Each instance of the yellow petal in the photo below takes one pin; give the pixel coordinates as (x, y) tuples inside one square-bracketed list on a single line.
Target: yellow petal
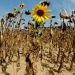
[(34, 16), (39, 19), (47, 11), (42, 19), (33, 13), (45, 6), (46, 17), (33, 8)]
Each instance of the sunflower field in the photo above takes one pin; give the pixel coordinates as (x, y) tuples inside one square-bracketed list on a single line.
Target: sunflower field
[(35, 49)]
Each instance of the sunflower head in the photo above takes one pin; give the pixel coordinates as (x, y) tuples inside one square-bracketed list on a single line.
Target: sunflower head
[(22, 5), (40, 13)]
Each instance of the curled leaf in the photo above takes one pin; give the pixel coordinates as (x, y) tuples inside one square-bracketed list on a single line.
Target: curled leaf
[(14, 9)]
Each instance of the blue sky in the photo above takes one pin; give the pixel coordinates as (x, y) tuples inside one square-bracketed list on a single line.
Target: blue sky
[(55, 7)]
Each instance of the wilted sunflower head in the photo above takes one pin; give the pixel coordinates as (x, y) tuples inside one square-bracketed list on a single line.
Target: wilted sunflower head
[(22, 5), (40, 13)]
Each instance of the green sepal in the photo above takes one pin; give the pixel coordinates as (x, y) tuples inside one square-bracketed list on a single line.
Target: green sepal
[(39, 33), (37, 24)]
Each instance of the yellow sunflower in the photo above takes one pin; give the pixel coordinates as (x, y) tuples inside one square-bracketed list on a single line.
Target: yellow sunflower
[(21, 5), (40, 13)]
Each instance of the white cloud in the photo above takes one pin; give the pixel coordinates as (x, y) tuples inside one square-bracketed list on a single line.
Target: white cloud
[(64, 5), (67, 6), (73, 1), (57, 5)]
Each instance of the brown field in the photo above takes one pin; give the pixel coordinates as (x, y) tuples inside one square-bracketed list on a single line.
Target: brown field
[(20, 54)]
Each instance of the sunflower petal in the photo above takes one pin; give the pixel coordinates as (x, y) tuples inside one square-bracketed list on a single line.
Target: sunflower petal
[(39, 19), (33, 8), (42, 19), (46, 17), (47, 11), (45, 6), (34, 16)]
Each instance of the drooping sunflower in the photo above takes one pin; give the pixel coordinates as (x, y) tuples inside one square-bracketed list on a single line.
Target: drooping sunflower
[(40, 13), (22, 5)]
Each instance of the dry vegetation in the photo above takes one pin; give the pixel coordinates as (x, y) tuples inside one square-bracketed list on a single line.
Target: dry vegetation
[(57, 49)]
